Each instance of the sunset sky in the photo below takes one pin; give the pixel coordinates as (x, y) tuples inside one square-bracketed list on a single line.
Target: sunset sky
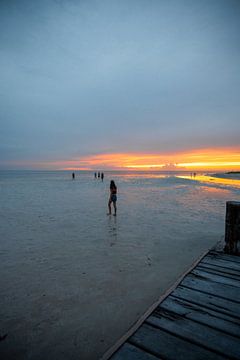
[(120, 84)]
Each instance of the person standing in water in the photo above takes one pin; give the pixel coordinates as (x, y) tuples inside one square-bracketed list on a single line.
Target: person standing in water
[(73, 175), (112, 198), (102, 176)]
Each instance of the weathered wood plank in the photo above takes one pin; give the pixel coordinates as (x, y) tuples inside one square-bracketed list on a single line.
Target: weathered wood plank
[(216, 278), (201, 315), (222, 271), (196, 333), (210, 270), (211, 306), (223, 256), (227, 292), (169, 346), (131, 352), (212, 302), (222, 263)]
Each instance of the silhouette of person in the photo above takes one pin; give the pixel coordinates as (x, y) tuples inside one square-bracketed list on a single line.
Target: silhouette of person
[(102, 176), (95, 175), (98, 174), (112, 198), (73, 176)]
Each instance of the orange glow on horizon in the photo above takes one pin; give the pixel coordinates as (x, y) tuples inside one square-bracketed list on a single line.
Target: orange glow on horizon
[(199, 160), (221, 159)]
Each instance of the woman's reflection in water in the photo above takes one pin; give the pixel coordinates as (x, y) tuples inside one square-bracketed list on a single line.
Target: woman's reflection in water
[(112, 229)]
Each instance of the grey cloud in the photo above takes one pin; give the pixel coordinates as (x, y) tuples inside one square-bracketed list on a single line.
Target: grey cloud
[(81, 77)]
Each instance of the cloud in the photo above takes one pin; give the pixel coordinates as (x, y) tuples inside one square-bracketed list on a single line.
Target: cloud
[(172, 167), (201, 159), (82, 78)]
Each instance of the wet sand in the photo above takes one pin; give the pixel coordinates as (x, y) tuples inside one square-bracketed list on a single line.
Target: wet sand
[(81, 313)]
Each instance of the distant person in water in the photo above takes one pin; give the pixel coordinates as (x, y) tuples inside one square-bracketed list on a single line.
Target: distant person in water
[(112, 198), (95, 175), (73, 176), (98, 174), (102, 176)]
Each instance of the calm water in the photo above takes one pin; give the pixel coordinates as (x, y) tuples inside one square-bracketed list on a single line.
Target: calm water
[(40, 208), (66, 266)]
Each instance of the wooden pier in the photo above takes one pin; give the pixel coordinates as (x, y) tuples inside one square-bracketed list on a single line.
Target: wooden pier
[(199, 319)]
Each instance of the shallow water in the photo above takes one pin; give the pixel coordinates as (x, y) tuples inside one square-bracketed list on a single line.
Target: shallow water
[(69, 271), (46, 208)]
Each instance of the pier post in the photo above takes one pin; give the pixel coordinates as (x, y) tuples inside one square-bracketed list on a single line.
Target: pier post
[(232, 227)]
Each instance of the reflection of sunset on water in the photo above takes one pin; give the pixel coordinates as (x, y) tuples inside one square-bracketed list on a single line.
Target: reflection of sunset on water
[(144, 175), (213, 180), (216, 190)]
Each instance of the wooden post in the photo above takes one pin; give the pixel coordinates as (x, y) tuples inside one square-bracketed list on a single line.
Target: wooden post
[(232, 227)]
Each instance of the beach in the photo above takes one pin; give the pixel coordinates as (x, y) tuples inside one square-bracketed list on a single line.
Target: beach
[(74, 280)]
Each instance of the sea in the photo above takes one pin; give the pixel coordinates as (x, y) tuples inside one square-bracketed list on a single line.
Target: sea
[(44, 207), (73, 276)]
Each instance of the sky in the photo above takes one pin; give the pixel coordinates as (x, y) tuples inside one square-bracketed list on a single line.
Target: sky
[(120, 84)]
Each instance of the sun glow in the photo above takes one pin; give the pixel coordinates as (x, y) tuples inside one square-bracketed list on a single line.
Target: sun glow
[(224, 159), (199, 160), (212, 180)]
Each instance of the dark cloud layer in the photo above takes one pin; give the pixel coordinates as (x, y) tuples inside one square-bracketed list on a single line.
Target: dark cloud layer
[(86, 77)]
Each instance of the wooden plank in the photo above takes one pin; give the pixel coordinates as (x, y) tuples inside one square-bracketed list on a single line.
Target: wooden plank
[(131, 352), (168, 346), (221, 270), (222, 263), (196, 333), (216, 278), (219, 255), (222, 306), (214, 311), (215, 271), (200, 314), (222, 290)]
